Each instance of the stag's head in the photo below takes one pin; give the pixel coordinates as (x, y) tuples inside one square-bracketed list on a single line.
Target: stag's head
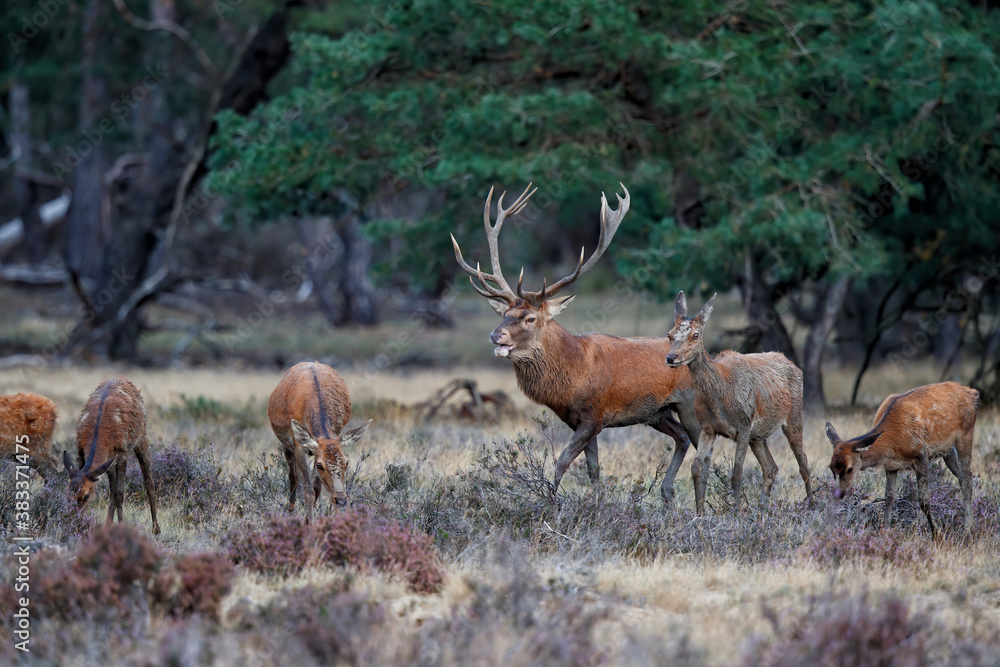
[(526, 314), (81, 482), (686, 335), (331, 461), (846, 460)]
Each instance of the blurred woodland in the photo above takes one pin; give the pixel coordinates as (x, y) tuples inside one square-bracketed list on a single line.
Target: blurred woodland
[(835, 164)]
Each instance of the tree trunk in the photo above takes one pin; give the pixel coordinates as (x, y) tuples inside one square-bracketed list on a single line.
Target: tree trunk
[(83, 236), (26, 189), (359, 295), (830, 303), (765, 331), (325, 252)]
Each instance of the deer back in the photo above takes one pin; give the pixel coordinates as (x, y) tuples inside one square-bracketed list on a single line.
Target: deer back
[(31, 415), (113, 420), (314, 395), (930, 419)]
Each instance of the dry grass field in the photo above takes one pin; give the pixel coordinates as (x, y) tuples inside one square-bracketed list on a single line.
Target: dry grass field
[(607, 575)]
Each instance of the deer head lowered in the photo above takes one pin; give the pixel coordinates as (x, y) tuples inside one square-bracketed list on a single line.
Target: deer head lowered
[(590, 381)]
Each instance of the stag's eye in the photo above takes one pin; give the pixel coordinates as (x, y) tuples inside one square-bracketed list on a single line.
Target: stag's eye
[(530, 319)]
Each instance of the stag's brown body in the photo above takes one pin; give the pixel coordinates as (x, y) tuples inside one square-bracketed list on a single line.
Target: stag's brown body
[(112, 425), (33, 416), (743, 397), (910, 430), (590, 381), (308, 410)]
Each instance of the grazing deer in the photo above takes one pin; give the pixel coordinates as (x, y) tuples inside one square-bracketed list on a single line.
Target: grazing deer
[(33, 416), (743, 397), (591, 381), (308, 410), (909, 430), (112, 424)]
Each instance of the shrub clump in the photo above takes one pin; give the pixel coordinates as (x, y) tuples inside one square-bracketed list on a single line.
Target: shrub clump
[(194, 584), (354, 537), (193, 481), (886, 547)]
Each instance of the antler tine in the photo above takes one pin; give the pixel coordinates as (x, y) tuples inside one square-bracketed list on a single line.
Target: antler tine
[(493, 232), (486, 290), (610, 222)]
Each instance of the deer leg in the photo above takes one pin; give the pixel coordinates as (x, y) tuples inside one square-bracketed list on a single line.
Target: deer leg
[(302, 459), (113, 491), (667, 425), (964, 451), (122, 468), (890, 496), (964, 481), (924, 492), (581, 438), (700, 469), (142, 455), (793, 433), (742, 443), (293, 480), (593, 463), (768, 468)]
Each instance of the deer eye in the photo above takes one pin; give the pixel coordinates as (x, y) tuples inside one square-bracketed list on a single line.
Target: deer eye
[(319, 466), (530, 319), (851, 469), (696, 336), (86, 496)]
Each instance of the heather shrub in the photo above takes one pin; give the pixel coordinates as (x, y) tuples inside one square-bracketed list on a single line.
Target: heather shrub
[(191, 480), (853, 630), (354, 537), (885, 548), (194, 584)]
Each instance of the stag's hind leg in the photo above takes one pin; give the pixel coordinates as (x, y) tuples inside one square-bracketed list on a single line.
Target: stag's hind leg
[(593, 462), (142, 454), (793, 433), (682, 439)]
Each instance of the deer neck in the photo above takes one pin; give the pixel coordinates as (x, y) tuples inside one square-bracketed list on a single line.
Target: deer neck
[(708, 381), (545, 373)]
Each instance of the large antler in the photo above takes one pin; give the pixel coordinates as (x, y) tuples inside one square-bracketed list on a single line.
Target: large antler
[(610, 220), (502, 289)]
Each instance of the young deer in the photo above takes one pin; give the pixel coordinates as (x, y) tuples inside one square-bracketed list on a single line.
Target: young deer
[(112, 424), (591, 381), (33, 416), (743, 397), (308, 410), (936, 420)]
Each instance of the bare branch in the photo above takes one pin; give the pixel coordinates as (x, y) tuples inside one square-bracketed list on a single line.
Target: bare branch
[(173, 28)]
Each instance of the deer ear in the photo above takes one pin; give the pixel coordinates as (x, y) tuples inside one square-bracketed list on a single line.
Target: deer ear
[(831, 433), (866, 442), (351, 437), (303, 437), (96, 473), (499, 306), (68, 462), (706, 310), (558, 304), (680, 305)]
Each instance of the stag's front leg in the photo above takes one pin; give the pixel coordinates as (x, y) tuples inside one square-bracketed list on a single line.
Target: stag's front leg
[(593, 463), (682, 437), (581, 438)]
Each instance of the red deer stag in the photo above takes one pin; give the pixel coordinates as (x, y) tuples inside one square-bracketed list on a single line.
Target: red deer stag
[(112, 424), (308, 410), (28, 420), (936, 420), (743, 397), (591, 381)]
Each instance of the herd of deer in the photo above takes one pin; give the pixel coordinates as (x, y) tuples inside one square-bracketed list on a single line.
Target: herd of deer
[(590, 381)]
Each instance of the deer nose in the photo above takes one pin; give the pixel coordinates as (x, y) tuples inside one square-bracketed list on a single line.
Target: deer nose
[(495, 337), (671, 359), (838, 494)]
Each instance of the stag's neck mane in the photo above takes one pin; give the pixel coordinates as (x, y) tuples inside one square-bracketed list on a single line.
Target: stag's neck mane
[(545, 373)]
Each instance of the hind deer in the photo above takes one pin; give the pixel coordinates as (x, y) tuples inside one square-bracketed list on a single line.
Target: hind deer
[(308, 410), (743, 397), (591, 381), (34, 417), (936, 420), (112, 424)]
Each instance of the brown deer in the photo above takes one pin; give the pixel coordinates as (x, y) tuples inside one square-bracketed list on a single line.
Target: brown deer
[(743, 397), (308, 410), (936, 420), (112, 424), (28, 420), (591, 381)]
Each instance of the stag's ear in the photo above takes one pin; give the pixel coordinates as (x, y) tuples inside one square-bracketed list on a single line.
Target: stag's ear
[(352, 437), (303, 437), (866, 442), (831, 433), (680, 305), (499, 306), (706, 310), (96, 473), (68, 462), (558, 304)]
